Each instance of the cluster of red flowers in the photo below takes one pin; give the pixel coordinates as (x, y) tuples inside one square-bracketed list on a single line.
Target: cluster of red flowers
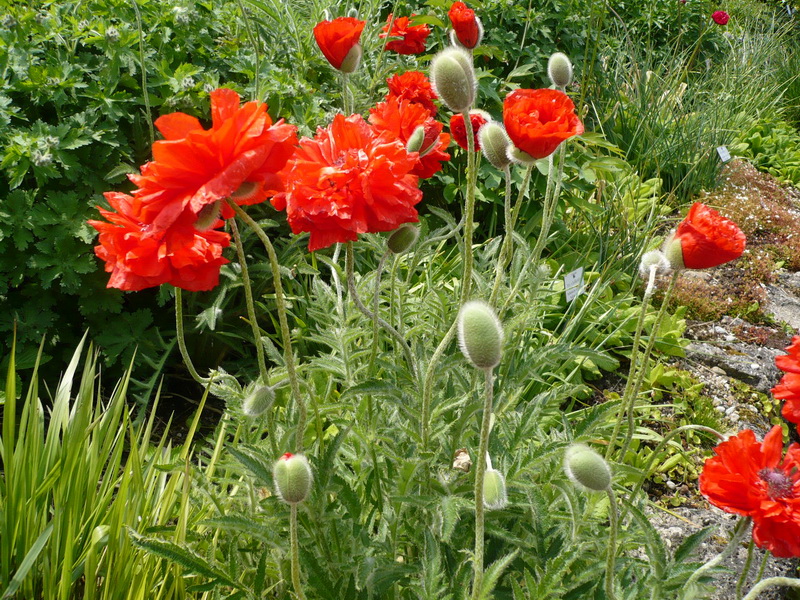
[(788, 388), (165, 232)]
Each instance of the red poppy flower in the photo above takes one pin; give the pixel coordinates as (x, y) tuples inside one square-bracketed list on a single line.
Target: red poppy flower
[(238, 157), (412, 37), (338, 37), (413, 86), (751, 479), (466, 25), (139, 256), (720, 17), (705, 239), (537, 121), (478, 118), (788, 390), (348, 180), (790, 362), (399, 120)]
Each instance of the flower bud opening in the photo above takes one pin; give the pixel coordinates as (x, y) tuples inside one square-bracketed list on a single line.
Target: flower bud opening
[(293, 477), (207, 216), (351, 60), (587, 469), (480, 334), (673, 251)]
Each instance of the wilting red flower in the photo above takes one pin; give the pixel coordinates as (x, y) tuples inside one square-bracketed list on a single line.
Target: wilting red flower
[(139, 256), (413, 86), (398, 119), (336, 38), (238, 157), (457, 127), (720, 17), (465, 24), (412, 37), (348, 180), (790, 362), (706, 239), (537, 121), (751, 479)]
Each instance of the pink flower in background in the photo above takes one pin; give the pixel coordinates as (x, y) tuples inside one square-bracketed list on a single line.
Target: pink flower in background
[(720, 17)]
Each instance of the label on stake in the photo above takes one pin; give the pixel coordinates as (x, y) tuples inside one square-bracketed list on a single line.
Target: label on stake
[(724, 155), (574, 285)]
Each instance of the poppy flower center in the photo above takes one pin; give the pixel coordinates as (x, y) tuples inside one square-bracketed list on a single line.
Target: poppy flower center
[(779, 484)]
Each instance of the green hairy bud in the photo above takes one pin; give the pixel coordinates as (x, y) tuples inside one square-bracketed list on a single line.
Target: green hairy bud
[(453, 79), (587, 469), (494, 490), (258, 401), (480, 334), (559, 69), (402, 238), (495, 144), (293, 477)]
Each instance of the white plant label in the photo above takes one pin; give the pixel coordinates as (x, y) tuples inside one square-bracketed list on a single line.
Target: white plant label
[(724, 155), (574, 285)]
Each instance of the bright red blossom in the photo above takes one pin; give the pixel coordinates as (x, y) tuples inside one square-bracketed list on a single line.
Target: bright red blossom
[(412, 37), (720, 17), (348, 180), (788, 390), (465, 24), (790, 362), (139, 256), (537, 121), (413, 86), (751, 479), (336, 38), (195, 167), (459, 130), (708, 239), (399, 119)]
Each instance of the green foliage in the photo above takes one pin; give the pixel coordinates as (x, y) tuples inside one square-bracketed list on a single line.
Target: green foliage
[(773, 146)]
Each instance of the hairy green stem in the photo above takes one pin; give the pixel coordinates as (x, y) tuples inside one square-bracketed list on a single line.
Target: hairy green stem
[(745, 570), (251, 309), (651, 342), (612, 545), (738, 533), (298, 587), (376, 298), (143, 67), (351, 285), (286, 337), (187, 360), (762, 567), (480, 472), (256, 49), (772, 582), (427, 384), (469, 209)]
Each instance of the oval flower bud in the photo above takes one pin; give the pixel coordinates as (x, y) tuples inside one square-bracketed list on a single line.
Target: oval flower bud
[(453, 79), (654, 258), (415, 140), (494, 490), (495, 144), (293, 477), (402, 238), (587, 469), (208, 216), (480, 334), (258, 401), (559, 70)]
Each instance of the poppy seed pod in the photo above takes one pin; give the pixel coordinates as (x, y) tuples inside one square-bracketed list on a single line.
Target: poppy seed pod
[(293, 477), (258, 401), (559, 70), (402, 239), (495, 144), (480, 334), (494, 490), (587, 469), (453, 79)]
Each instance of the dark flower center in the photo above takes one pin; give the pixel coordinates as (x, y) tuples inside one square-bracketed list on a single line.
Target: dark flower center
[(779, 484)]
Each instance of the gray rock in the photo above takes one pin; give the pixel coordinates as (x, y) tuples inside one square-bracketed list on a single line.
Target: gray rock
[(783, 306), (754, 365)]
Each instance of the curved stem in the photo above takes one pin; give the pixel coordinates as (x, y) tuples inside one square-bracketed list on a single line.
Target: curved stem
[(376, 299), (771, 582), (351, 285), (736, 538), (480, 472), (506, 252), (298, 587), (651, 342), (251, 310), (427, 384), (745, 570), (612, 545), (280, 304), (550, 202), (187, 360)]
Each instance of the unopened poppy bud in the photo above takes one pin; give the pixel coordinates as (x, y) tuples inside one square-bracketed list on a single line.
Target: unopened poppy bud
[(587, 469), (416, 139), (453, 79), (495, 143), (494, 490), (653, 259), (293, 477), (480, 334), (353, 13), (351, 60), (559, 69), (258, 401), (402, 238), (207, 216)]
